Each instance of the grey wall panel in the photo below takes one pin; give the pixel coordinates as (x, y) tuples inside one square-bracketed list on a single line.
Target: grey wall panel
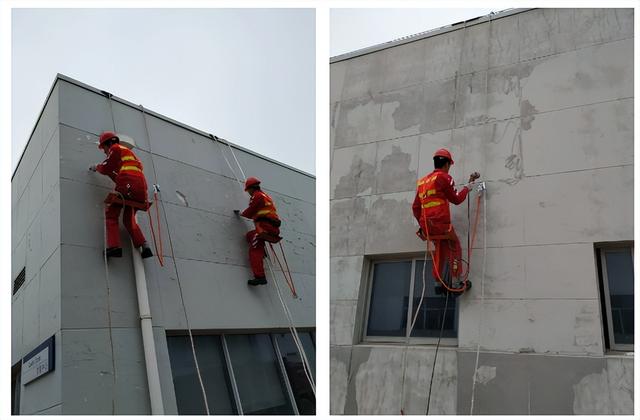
[(364, 76), (504, 47), (343, 318), (217, 297), (277, 178), (348, 233), (87, 360), (564, 326), (396, 165), (49, 297), (354, 171), (17, 329), (131, 392), (417, 375), (84, 289), (580, 138), (297, 216), (391, 226), (578, 78), (34, 249), (50, 216), (82, 214), (404, 66), (206, 236), (83, 109), (339, 378), (130, 122), (18, 258), (176, 143), (31, 318), (78, 151), (346, 273), (51, 164), (42, 133), (571, 28), (189, 186)]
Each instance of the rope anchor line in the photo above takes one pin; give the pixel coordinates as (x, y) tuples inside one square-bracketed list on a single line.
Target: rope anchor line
[(292, 328)]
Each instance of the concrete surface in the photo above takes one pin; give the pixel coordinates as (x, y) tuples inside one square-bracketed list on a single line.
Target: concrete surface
[(540, 102), (58, 235)]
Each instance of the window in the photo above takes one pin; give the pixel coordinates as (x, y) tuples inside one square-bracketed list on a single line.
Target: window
[(616, 287), (16, 372), (213, 368), (394, 294), (292, 361), (19, 281), (243, 374)]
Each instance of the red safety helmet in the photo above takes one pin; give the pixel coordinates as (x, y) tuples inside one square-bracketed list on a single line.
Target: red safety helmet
[(443, 153), (251, 182), (106, 136)]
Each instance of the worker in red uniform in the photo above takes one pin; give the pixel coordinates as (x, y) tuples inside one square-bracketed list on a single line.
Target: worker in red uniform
[(125, 169), (431, 210), (265, 218)]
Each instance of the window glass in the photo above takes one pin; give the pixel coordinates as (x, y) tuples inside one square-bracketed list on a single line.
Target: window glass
[(429, 319), (292, 361), (214, 375), (260, 384), (619, 264), (389, 299)]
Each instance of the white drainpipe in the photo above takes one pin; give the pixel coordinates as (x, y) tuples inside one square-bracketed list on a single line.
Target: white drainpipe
[(151, 361)]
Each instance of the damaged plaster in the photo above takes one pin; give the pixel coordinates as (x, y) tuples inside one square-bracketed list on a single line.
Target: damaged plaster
[(540, 102)]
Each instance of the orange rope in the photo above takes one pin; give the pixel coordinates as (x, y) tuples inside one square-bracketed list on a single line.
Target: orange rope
[(436, 261), (288, 278), (157, 243)]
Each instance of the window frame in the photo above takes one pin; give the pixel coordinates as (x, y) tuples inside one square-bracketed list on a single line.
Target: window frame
[(288, 390), (406, 339), (604, 280)]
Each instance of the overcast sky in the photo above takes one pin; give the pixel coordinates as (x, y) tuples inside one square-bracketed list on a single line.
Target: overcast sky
[(247, 75), (352, 29)]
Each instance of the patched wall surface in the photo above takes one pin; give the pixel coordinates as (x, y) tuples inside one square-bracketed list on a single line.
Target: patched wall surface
[(94, 312), (540, 102)]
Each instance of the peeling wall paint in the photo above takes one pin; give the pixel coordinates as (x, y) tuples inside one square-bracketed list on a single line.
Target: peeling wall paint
[(546, 116)]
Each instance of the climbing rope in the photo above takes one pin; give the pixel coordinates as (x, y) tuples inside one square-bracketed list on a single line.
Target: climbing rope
[(292, 327), (106, 275), (175, 265), (480, 324), (435, 356)]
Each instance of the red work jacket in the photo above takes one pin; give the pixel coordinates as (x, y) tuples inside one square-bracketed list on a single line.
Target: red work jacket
[(121, 163), (434, 192), (261, 207)]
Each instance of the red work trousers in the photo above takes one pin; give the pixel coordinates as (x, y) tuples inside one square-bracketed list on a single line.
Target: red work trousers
[(256, 246), (134, 189), (448, 251)]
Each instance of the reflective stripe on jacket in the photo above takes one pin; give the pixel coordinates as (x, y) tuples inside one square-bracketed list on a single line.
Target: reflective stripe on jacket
[(261, 207)]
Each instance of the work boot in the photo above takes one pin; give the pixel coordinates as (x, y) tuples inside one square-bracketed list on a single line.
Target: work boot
[(113, 252), (257, 281), (146, 251)]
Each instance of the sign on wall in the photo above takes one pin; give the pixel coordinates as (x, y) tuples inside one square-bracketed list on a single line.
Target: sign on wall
[(39, 361)]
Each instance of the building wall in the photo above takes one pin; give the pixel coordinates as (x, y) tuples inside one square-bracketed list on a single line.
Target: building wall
[(540, 102), (101, 351)]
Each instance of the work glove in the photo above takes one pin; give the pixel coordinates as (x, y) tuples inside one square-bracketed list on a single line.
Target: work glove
[(473, 177), (92, 168)]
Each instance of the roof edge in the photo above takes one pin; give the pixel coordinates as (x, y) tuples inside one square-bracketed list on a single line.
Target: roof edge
[(427, 34), (60, 76)]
